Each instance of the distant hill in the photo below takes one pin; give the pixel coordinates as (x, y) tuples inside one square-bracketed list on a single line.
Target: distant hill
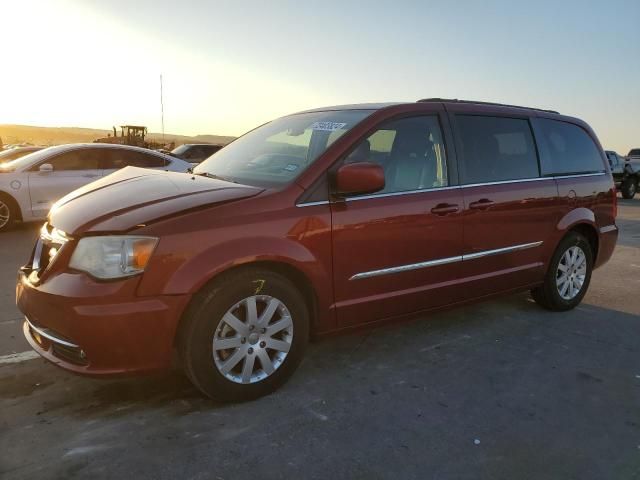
[(59, 135)]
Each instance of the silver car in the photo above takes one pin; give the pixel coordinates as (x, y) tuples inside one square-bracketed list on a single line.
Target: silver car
[(30, 185)]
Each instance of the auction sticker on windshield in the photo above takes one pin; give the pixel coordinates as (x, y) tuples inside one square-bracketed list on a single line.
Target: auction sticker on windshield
[(327, 126)]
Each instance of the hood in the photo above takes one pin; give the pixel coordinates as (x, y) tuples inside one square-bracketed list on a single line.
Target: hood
[(134, 196)]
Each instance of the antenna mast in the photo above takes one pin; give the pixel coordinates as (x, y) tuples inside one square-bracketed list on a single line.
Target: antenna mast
[(162, 110)]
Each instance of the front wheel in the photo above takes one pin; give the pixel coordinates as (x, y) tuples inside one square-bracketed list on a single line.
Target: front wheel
[(7, 213), (244, 336), (629, 188), (568, 276)]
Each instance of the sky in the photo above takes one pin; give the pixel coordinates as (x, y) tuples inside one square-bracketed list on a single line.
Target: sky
[(228, 66)]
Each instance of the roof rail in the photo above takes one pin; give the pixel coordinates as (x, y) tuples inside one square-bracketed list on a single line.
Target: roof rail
[(455, 100)]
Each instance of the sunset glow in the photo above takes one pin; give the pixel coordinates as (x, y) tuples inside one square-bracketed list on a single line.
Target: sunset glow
[(229, 67)]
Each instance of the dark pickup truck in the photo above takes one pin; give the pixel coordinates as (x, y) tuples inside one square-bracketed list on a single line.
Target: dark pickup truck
[(626, 172)]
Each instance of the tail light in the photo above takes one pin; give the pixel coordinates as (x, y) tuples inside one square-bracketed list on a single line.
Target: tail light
[(615, 203)]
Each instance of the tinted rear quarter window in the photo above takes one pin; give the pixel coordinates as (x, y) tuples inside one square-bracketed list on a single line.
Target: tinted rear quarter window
[(119, 158), (569, 149), (494, 149)]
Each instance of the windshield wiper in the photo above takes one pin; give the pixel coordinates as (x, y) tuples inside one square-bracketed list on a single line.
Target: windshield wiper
[(216, 177)]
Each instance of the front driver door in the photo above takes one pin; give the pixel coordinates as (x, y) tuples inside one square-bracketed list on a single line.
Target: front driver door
[(398, 251), (71, 170)]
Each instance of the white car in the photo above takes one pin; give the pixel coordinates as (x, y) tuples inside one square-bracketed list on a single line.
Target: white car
[(30, 185)]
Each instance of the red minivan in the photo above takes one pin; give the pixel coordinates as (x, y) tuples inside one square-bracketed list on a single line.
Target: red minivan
[(316, 222)]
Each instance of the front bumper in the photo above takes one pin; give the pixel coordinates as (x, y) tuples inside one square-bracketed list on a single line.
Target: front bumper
[(96, 328)]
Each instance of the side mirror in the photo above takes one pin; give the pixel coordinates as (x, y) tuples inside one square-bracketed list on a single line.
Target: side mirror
[(46, 168), (359, 178)]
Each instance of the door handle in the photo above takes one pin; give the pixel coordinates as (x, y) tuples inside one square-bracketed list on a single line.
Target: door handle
[(444, 209), (482, 204)]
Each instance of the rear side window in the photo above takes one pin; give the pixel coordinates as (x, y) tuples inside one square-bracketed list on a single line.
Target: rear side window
[(569, 149), (495, 149), (119, 158)]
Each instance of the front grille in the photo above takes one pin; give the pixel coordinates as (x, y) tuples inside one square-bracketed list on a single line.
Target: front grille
[(61, 346), (70, 354)]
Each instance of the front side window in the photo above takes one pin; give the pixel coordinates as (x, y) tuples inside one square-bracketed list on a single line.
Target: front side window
[(276, 153), (495, 149), (411, 152), (86, 159), (569, 149)]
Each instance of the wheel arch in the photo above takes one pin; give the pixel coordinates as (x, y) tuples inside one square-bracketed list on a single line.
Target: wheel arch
[(16, 205), (299, 278), (583, 221), (591, 234)]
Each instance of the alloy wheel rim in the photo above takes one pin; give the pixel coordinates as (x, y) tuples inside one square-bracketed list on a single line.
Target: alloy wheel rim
[(571, 273), (253, 339), (5, 214)]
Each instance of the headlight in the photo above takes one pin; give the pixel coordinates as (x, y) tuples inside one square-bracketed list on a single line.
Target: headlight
[(113, 256)]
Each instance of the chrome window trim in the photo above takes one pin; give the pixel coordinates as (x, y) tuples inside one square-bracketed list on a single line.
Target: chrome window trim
[(444, 261), (49, 336), (608, 228), (578, 175), (506, 182), (452, 187), (405, 192)]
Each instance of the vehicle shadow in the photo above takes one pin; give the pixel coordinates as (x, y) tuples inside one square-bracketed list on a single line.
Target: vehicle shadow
[(524, 380), (417, 351)]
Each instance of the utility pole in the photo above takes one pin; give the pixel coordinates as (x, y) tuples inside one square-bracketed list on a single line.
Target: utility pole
[(162, 110)]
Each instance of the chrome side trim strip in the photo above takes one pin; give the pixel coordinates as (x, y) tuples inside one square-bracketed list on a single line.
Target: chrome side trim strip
[(312, 204), (608, 228), (444, 261), (498, 251), (406, 268), (49, 336)]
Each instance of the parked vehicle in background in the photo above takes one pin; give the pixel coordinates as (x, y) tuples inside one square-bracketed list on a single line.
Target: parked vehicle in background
[(31, 184), (17, 152), (315, 222), (626, 173), (195, 153), (634, 155)]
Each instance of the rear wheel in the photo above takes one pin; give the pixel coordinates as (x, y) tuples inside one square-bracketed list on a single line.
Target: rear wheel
[(629, 187), (8, 213), (244, 336), (569, 274)]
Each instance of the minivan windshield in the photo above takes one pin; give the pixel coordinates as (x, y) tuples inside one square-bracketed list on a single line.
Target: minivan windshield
[(276, 153)]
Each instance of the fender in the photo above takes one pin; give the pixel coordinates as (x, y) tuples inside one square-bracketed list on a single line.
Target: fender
[(195, 273), (574, 217), (312, 260)]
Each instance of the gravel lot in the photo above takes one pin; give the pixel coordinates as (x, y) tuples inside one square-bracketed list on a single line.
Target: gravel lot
[(498, 390)]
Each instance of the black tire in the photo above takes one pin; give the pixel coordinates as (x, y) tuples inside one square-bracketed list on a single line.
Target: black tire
[(629, 187), (7, 206), (548, 294), (203, 320)]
